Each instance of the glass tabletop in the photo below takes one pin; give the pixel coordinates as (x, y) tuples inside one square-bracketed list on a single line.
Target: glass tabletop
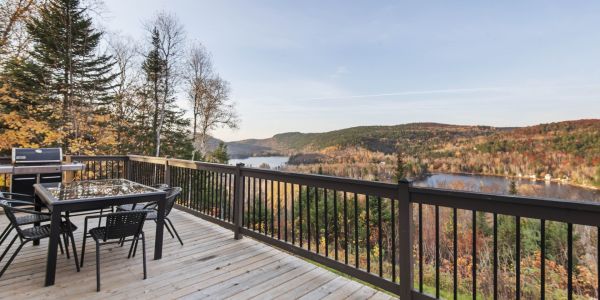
[(96, 189)]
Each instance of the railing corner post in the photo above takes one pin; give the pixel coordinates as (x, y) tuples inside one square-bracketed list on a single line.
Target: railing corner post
[(128, 170), (167, 173), (238, 201), (405, 235)]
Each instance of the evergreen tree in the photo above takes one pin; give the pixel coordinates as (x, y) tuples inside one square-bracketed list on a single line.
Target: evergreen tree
[(154, 69), (165, 121), (512, 189), (220, 155), (64, 71), (400, 168)]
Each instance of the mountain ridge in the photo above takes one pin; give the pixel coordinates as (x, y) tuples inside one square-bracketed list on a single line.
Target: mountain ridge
[(377, 137)]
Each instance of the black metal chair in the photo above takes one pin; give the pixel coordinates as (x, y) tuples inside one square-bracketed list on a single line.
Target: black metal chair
[(119, 226), (126, 207), (172, 194), (34, 233), (21, 200)]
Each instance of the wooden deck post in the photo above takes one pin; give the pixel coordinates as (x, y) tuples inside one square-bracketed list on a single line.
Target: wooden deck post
[(69, 175), (405, 235), (238, 199), (128, 171), (167, 173)]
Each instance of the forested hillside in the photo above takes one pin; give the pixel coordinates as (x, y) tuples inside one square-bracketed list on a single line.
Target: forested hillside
[(65, 82), (567, 150)]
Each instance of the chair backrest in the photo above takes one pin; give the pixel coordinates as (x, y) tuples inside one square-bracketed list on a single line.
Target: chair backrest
[(124, 223), (9, 211), (21, 197), (161, 186), (172, 195)]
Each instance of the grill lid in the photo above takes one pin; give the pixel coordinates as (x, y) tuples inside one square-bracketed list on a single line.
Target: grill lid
[(36, 155)]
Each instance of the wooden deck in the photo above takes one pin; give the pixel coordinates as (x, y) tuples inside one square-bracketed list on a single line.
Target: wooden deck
[(211, 265)]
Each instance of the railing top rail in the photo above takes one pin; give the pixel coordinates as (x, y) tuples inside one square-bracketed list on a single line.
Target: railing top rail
[(576, 212), (184, 163), (98, 157), (372, 188)]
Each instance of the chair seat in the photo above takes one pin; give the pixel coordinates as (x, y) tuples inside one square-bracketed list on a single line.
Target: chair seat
[(30, 219), (40, 232), (128, 207), (98, 233)]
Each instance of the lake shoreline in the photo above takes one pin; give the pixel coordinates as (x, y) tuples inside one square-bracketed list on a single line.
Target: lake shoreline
[(559, 181)]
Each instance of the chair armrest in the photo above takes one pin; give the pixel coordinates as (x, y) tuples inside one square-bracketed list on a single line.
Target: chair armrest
[(28, 211), (4, 194), (151, 205)]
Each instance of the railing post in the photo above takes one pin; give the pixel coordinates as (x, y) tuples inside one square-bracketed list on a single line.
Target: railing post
[(167, 173), (405, 235), (69, 175), (238, 199), (128, 167)]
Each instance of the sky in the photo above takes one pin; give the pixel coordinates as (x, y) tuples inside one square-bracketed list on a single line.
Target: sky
[(314, 66)]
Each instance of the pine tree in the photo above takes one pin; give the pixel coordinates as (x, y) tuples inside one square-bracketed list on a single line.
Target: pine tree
[(400, 168), (64, 71), (512, 189), (154, 69), (167, 123), (220, 155)]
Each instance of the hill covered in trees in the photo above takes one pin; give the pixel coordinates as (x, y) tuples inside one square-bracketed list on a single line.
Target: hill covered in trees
[(568, 150)]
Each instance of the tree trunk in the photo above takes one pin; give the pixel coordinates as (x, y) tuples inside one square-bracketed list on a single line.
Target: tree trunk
[(194, 131)]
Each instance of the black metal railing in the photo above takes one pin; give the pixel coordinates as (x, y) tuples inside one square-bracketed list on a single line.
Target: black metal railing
[(419, 243)]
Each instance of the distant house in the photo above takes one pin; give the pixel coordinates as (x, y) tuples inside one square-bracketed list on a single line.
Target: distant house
[(548, 177)]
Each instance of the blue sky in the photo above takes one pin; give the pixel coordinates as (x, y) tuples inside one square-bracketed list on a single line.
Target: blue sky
[(315, 66)]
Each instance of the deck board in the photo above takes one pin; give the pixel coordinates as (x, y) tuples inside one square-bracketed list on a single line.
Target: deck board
[(211, 264)]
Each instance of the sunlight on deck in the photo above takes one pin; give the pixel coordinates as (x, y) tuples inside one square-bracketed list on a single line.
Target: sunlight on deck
[(211, 264)]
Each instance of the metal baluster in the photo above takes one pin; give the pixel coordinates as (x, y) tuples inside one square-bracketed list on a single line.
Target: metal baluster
[(299, 213), (345, 228), (254, 204), (542, 259), (293, 213), (379, 236), (455, 251), (335, 225), (420, 247), (474, 248), (495, 256), (393, 225), (317, 228), (570, 261), (326, 222), (308, 215), (285, 209), (260, 222), (518, 256), (356, 260), (272, 208), (368, 239), (437, 251)]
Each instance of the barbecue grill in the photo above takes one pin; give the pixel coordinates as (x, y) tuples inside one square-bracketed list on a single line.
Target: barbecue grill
[(31, 166)]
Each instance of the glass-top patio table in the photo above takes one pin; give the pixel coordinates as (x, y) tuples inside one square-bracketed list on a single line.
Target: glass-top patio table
[(92, 195)]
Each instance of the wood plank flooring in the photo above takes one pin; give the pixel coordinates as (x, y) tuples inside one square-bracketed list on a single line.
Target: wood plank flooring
[(211, 265)]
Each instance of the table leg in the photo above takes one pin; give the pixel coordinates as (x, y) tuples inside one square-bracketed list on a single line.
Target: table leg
[(52, 245), (160, 223), (37, 207)]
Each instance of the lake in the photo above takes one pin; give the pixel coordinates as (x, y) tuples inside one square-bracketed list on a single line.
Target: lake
[(274, 162), (501, 185)]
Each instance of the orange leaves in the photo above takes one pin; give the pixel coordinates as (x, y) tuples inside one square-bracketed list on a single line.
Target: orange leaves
[(26, 132)]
